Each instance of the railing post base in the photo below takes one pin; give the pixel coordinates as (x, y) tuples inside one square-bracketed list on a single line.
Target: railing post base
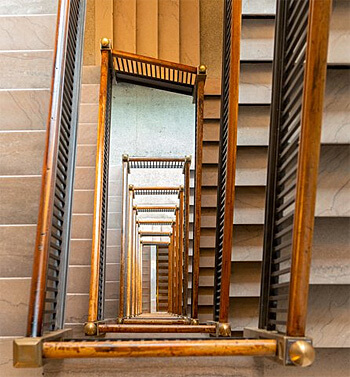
[(194, 321), (290, 350), (27, 352)]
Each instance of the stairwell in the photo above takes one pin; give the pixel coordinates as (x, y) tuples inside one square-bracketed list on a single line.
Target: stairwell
[(23, 104)]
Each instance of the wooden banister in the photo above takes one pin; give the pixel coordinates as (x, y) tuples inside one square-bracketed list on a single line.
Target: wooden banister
[(47, 303), (310, 141)]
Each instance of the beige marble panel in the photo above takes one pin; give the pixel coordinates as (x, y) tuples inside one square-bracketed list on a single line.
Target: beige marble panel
[(250, 166), (89, 93), (245, 281), (84, 178), (147, 27), (111, 308), (333, 188), (19, 200), (23, 109), (14, 298), (247, 244), (80, 251), (35, 68), (169, 30), (88, 113), (87, 133), (244, 312), (82, 226), (22, 152), (331, 251), (255, 83), (328, 315), (257, 39), (83, 201), (16, 250), (35, 32), (86, 155), (78, 279), (249, 206), (77, 308), (189, 32), (91, 74), (339, 36), (336, 109), (124, 25)]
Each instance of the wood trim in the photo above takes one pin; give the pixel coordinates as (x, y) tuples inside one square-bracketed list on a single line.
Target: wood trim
[(170, 272), (312, 110), (159, 348), (155, 328), (129, 256), (96, 229), (181, 250), (231, 159)]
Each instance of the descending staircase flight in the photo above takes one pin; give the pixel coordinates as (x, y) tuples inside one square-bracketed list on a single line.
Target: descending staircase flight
[(298, 84)]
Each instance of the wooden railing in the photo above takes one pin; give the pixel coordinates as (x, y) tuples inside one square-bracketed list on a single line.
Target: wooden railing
[(49, 279), (98, 251), (299, 71), (227, 158)]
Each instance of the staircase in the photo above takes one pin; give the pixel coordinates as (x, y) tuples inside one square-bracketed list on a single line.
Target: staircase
[(329, 274)]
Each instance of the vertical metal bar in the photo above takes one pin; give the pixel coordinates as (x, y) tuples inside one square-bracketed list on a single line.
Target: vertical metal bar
[(310, 141), (275, 119)]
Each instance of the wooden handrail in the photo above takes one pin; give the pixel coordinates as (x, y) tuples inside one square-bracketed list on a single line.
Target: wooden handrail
[(62, 85), (187, 194), (310, 141), (98, 193), (227, 159)]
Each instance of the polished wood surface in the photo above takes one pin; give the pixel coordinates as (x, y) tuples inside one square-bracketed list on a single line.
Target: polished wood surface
[(231, 159), (170, 271), (96, 230), (129, 254), (198, 192), (155, 328), (159, 348), (312, 109)]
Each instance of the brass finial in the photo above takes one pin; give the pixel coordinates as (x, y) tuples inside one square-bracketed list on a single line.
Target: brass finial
[(202, 69), (302, 353), (224, 329), (90, 328), (105, 42), (194, 321)]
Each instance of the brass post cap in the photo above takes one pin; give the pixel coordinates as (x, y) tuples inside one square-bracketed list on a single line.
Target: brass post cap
[(194, 321), (302, 353), (104, 42), (188, 158), (202, 68), (90, 328), (125, 157), (120, 320), (224, 329)]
